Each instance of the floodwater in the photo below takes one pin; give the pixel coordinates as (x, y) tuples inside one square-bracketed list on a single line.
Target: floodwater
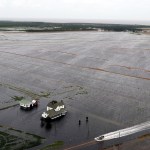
[(102, 75)]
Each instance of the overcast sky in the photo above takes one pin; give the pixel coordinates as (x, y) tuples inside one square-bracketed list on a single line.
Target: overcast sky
[(96, 10)]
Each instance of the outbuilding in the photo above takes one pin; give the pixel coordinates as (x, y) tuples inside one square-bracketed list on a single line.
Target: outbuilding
[(28, 104)]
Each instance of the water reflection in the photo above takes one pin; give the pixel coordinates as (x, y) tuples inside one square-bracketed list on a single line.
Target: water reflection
[(48, 126), (42, 124)]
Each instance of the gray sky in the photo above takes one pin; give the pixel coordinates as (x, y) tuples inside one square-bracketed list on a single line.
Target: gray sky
[(70, 10)]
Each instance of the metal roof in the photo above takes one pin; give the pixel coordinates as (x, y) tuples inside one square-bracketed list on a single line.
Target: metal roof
[(55, 104), (25, 102), (53, 113)]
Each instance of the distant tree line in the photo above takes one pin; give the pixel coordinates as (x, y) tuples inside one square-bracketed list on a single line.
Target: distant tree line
[(56, 27)]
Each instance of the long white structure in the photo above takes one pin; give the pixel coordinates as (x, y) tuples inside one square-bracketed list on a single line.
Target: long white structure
[(124, 132)]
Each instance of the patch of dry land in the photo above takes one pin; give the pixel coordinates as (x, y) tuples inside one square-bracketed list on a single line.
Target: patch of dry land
[(102, 75)]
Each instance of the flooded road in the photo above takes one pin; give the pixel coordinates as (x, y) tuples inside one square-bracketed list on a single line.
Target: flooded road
[(124, 132), (102, 75)]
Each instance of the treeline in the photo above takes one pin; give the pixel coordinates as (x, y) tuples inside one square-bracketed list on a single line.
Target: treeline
[(53, 27), (13, 24)]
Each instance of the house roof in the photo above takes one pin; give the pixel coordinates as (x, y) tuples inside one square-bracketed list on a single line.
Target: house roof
[(55, 104), (25, 102), (53, 113)]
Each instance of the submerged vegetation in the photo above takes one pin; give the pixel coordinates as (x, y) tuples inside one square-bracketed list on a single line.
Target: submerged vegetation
[(57, 27), (17, 98), (16, 140), (55, 145)]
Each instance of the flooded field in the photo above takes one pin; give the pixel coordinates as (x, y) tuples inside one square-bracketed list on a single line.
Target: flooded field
[(102, 75)]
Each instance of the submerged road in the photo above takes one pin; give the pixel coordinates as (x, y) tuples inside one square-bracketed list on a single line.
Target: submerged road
[(113, 135), (124, 132), (81, 145)]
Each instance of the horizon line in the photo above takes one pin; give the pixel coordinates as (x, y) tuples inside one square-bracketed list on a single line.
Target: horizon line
[(94, 21)]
